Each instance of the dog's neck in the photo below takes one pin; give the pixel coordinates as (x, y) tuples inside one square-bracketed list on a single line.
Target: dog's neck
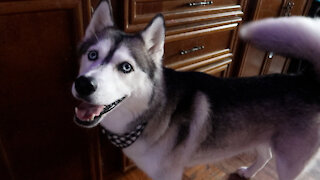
[(125, 140), (136, 111), (123, 119), (130, 112)]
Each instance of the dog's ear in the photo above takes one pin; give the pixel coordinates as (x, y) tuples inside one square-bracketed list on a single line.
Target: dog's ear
[(154, 37), (102, 17)]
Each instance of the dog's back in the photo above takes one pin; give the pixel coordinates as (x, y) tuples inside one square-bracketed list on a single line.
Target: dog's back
[(274, 113)]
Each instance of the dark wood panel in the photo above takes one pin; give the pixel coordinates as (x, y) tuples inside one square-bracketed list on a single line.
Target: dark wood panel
[(268, 8), (5, 168), (277, 65), (37, 67), (253, 61)]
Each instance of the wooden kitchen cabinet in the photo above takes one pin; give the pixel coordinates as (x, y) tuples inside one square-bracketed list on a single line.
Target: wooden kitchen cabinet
[(200, 35)]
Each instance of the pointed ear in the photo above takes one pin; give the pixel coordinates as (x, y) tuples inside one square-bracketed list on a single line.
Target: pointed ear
[(102, 17), (154, 37)]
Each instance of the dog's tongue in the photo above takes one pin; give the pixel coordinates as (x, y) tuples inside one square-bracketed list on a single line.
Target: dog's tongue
[(87, 111)]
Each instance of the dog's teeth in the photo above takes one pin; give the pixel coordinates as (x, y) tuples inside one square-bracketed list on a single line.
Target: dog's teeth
[(92, 117), (110, 106)]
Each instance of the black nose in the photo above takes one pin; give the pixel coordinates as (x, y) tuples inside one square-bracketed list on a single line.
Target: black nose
[(85, 86)]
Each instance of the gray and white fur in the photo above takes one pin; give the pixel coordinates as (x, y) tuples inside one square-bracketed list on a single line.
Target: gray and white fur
[(193, 118)]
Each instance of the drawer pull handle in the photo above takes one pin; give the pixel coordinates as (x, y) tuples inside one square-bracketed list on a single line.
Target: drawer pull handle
[(270, 55), (204, 3), (183, 52), (288, 8)]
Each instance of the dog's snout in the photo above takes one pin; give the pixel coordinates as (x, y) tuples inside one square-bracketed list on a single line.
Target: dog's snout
[(85, 86)]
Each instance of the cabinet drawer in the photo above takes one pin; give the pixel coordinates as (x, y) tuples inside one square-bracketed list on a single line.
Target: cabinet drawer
[(216, 66), (200, 45), (219, 69), (178, 12), (173, 6)]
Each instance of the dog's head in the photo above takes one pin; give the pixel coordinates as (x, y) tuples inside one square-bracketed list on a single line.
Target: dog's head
[(116, 69)]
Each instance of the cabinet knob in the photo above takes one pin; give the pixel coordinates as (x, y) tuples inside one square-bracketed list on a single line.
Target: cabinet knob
[(270, 55), (203, 3), (197, 48), (288, 8)]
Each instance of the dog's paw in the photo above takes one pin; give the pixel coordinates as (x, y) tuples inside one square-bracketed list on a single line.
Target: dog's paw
[(244, 173)]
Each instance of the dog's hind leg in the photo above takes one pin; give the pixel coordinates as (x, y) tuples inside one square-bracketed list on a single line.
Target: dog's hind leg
[(293, 153), (263, 156)]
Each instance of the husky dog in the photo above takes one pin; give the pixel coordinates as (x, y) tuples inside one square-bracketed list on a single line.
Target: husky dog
[(166, 120)]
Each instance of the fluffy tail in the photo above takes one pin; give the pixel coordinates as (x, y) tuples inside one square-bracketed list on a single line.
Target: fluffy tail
[(297, 37)]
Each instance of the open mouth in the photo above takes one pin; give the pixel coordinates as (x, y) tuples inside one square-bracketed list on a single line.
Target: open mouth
[(88, 115)]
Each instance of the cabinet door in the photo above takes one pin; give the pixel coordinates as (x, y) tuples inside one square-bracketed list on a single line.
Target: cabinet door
[(38, 139), (258, 62)]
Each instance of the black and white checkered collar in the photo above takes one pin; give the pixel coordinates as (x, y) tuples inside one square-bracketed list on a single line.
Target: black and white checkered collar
[(125, 140)]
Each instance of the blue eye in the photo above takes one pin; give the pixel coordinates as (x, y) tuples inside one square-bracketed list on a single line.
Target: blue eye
[(93, 55), (125, 67)]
